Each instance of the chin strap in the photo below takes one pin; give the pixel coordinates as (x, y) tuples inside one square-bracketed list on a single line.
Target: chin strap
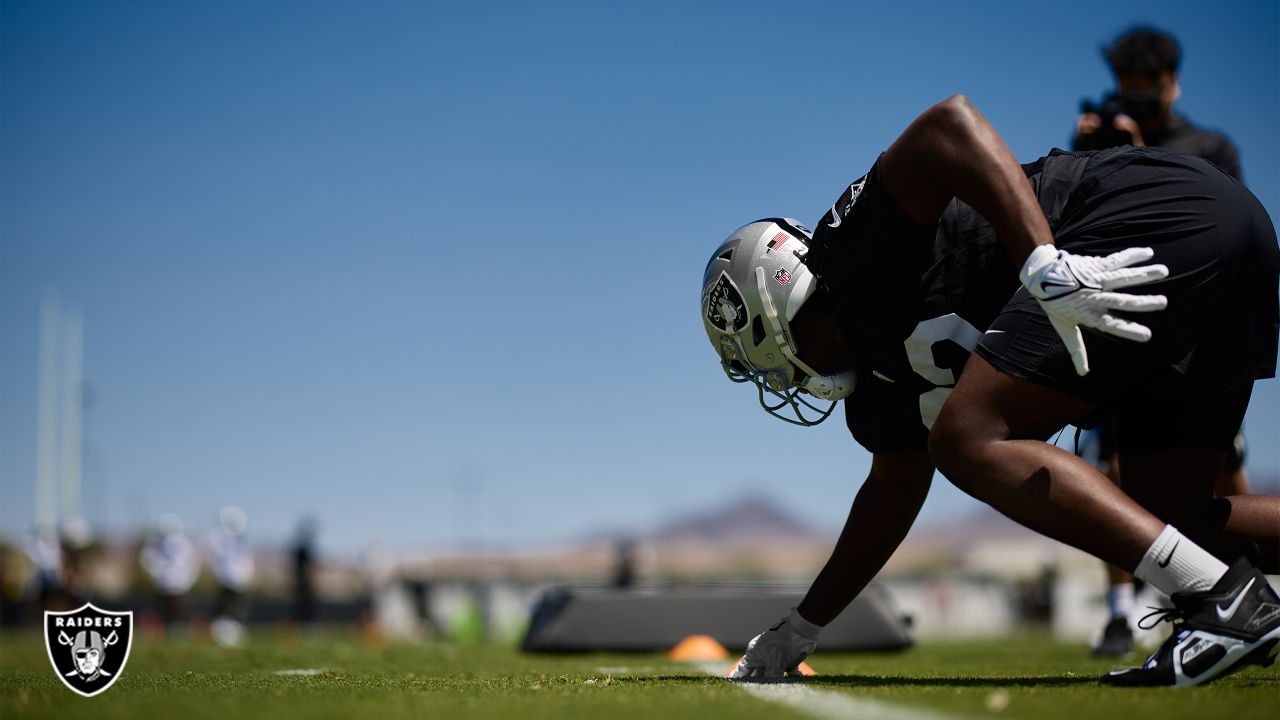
[(782, 399), (836, 386)]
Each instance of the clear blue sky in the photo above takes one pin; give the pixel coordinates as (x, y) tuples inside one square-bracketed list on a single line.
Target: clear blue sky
[(431, 270)]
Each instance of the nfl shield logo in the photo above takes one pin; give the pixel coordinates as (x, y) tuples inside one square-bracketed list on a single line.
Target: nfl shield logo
[(88, 647), (782, 276)]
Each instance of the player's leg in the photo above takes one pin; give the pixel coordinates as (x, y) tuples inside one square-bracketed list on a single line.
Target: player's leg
[(1187, 426), (1229, 527), (1218, 245), (1116, 638), (989, 441), (1254, 517), (1233, 480), (1175, 484), (1226, 307), (982, 441)]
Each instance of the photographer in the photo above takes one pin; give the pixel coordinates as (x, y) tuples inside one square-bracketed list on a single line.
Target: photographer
[(1144, 62)]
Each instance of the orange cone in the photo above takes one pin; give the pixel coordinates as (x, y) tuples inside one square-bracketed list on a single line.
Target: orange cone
[(696, 648)]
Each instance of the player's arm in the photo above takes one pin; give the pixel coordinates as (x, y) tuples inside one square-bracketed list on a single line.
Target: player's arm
[(951, 151), (882, 513)]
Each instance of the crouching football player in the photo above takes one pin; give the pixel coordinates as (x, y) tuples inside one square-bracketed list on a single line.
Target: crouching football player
[(965, 308)]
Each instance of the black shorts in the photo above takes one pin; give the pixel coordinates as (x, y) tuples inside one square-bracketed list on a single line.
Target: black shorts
[(1220, 330), (1153, 424)]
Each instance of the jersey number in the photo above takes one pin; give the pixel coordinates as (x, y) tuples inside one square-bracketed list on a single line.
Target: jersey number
[(937, 350)]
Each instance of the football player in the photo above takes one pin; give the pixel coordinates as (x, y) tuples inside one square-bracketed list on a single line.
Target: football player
[(965, 308)]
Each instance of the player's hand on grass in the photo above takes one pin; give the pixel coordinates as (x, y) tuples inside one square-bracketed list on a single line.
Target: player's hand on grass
[(778, 650), (1076, 291)]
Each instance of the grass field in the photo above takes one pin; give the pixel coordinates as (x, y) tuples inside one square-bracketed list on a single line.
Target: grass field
[(1026, 678)]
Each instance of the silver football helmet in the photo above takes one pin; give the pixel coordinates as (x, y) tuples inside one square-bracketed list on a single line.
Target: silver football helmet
[(753, 287)]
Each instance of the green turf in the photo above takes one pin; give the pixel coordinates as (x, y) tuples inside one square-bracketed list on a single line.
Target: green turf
[(1024, 678)]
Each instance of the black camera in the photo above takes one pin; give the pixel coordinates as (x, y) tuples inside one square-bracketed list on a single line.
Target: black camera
[(1107, 135)]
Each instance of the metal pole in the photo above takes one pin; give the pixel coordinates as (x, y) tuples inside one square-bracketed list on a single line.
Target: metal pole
[(47, 416), (72, 413)]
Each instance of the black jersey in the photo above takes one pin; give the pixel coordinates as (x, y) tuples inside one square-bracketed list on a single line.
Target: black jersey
[(914, 301)]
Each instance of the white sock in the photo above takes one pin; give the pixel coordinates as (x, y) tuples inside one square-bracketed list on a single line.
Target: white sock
[(1120, 600), (1175, 564)]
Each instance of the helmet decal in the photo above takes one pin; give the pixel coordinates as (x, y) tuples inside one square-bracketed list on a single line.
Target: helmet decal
[(725, 308), (777, 242), (782, 276)]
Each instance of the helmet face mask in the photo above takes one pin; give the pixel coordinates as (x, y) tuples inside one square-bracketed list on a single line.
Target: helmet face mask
[(753, 286)]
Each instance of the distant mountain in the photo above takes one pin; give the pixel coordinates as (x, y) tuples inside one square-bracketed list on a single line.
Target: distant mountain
[(749, 517), (983, 524)]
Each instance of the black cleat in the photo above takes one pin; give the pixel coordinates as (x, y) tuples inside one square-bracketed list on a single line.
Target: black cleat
[(1216, 632), (1117, 639)]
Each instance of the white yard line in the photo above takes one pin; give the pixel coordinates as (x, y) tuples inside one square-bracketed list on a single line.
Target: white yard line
[(299, 671), (829, 704)]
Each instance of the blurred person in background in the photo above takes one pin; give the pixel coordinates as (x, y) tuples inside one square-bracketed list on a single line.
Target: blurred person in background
[(44, 551), (232, 563), (171, 561), (1145, 63), (77, 550), (304, 559), (390, 611), (624, 563)]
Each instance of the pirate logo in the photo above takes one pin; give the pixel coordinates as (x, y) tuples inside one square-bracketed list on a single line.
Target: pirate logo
[(724, 306), (88, 647)]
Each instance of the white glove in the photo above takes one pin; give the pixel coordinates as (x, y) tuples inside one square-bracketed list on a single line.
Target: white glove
[(779, 649), (1074, 291)]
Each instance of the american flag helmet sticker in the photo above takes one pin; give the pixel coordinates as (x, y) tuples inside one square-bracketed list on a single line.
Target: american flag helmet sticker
[(778, 241)]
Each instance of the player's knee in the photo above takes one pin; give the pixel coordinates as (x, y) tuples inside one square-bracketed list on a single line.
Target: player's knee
[(951, 447)]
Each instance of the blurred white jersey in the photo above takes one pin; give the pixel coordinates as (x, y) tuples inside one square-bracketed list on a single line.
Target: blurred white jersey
[(231, 559), (172, 562), (45, 553)]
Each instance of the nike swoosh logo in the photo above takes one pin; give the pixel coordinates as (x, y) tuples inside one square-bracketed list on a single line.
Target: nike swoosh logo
[(1167, 558), (1047, 288), (993, 332), (1224, 614)]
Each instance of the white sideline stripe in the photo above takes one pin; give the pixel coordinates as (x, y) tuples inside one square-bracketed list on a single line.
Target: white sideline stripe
[(828, 704), (299, 671)]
